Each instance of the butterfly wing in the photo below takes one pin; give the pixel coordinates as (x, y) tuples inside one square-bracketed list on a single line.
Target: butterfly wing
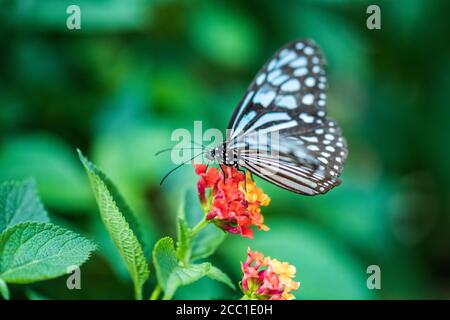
[(288, 97), (289, 91)]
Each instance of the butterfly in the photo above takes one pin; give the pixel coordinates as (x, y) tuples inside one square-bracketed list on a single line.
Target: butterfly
[(280, 130), (287, 99)]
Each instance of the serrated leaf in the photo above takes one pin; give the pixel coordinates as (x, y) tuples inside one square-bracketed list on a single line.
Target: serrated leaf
[(33, 251), (4, 291), (184, 241), (120, 223), (118, 199), (182, 276), (218, 275), (206, 242), (164, 260), (20, 202)]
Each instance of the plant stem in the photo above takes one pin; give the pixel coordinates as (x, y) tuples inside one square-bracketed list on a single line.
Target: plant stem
[(203, 223), (137, 292), (156, 292)]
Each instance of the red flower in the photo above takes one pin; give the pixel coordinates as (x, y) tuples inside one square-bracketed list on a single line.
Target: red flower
[(230, 203), (267, 279)]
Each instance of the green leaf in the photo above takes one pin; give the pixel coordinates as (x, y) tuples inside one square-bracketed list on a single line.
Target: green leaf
[(20, 202), (33, 251), (120, 223), (164, 260), (218, 275), (206, 242), (4, 291), (170, 275), (181, 276), (184, 247)]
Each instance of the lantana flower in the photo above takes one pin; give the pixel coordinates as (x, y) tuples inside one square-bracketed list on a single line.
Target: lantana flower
[(230, 202), (267, 279)]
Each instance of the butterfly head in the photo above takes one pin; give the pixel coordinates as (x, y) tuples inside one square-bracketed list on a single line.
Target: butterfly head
[(211, 154), (215, 154), (221, 155)]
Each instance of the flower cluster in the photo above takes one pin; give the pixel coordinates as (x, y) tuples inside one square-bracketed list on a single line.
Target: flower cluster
[(267, 279), (230, 202)]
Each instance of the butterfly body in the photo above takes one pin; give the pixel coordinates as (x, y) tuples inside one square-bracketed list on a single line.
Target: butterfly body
[(280, 130), (223, 155)]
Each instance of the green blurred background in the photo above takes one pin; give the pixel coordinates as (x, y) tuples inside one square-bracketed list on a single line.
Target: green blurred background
[(140, 69)]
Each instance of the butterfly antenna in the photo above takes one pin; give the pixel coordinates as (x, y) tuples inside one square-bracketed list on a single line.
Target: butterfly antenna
[(177, 167), (170, 149), (199, 144)]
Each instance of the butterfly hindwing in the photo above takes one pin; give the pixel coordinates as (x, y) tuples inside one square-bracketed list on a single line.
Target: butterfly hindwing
[(307, 163)]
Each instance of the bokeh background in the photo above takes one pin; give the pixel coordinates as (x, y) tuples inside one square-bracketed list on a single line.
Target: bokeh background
[(139, 69)]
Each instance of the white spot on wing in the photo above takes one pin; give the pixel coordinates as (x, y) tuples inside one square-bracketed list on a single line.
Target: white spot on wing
[(310, 81), (300, 45), (308, 99), (299, 62), (308, 50), (306, 117), (280, 80), (286, 102), (273, 74), (309, 139), (264, 97), (300, 72), (291, 85), (271, 64), (323, 160), (260, 79), (287, 57), (313, 147)]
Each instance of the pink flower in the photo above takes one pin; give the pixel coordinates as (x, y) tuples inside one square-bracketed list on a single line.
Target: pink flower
[(267, 279)]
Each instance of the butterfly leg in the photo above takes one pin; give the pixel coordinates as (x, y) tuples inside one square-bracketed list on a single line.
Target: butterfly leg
[(245, 177), (223, 172)]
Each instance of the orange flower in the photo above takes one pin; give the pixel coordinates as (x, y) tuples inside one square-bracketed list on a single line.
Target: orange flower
[(231, 203), (267, 279)]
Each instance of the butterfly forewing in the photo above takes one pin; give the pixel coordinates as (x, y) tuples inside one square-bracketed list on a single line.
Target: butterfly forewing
[(288, 97), (289, 91)]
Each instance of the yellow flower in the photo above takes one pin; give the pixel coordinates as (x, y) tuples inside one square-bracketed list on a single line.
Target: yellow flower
[(286, 273), (252, 192)]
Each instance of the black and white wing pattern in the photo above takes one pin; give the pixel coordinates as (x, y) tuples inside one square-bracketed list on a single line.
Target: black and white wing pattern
[(288, 97)]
